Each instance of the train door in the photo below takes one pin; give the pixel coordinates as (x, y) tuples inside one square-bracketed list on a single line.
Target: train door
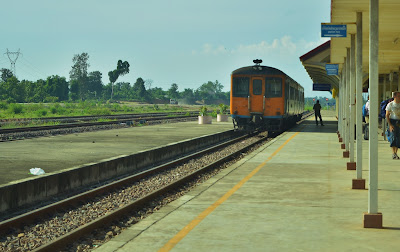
[(256, 95)]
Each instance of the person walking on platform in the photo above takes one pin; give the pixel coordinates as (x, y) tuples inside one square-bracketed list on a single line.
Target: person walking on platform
[(393, 119), (317, 113)]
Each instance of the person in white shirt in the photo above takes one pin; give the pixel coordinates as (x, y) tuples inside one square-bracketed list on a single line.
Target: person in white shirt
[(393, 119), (367, 111)]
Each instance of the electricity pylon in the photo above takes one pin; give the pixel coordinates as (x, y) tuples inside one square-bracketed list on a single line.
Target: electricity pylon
[(16, 54)]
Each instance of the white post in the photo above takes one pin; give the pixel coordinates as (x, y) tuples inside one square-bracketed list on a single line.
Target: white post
[(359, 77), (348, 100), (352, 95), (374, 106), (339, 105), (343, 103)]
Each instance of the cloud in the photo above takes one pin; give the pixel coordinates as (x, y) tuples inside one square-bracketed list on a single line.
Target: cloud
[(281, 46)]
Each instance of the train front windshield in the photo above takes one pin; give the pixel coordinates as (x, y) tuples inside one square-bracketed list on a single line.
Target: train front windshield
[(240, 86)]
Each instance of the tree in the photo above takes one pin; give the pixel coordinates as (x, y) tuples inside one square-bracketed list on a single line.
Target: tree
[(57, 86), (139, 90), (126, 91), (210, 90), (13, 90), (79, 72), (157, 93), (188, 96), (95, 84), (5, 74), (148, 83), (122, 69), (173, 91), (74, 90)]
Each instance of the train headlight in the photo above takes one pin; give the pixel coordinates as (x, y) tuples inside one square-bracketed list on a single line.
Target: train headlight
[(235, 112)]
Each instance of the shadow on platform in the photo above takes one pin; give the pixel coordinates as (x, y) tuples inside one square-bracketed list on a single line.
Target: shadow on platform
[(310, 126)]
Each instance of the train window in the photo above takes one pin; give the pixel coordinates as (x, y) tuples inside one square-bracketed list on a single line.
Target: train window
[(273, 87), (291, 95), (257, 87), (240, 86)]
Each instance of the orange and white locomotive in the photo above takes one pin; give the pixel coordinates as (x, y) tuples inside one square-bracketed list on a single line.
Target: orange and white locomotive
[(265, 97)]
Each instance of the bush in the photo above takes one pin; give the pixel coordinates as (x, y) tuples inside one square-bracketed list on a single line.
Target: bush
[(223, 108), (41, 112), (100, 111), (203, 111), (127, 109), (3, 105), (57, 109), (51, 99), (15, 108)]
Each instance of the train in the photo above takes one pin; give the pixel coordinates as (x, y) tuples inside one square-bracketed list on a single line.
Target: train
[(264, 98)]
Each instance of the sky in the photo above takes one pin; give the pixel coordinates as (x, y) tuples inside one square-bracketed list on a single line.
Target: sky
[(172, 41)]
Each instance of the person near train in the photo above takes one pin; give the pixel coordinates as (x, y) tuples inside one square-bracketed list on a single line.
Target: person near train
[(317, 113)]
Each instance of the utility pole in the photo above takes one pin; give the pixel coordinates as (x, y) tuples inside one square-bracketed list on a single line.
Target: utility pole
[(16, 55)]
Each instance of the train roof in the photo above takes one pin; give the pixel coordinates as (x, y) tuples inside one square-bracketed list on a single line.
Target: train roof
[(255, 70)]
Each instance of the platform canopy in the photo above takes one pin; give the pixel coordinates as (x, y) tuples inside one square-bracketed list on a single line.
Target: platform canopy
[(344, 11), (315, 61)]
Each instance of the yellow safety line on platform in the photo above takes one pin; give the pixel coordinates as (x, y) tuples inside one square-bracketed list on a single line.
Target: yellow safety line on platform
[(179, 236)]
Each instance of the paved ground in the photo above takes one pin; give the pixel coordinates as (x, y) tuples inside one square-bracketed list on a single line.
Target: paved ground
[(296, 196), (65, 151)]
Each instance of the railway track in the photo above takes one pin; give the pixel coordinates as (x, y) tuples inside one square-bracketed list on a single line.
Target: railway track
[(54, 227), (132, 120), (75, 119)]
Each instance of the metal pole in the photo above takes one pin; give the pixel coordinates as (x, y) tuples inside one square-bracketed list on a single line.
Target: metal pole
[(359, 76), (352, 95), (373, 114)]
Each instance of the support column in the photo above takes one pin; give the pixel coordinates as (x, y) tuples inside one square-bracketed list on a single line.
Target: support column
[(398, 81), (384, 98), (340, 122), (373, 219), (352, 165), (344, 119), (359, 182), (346, 153)]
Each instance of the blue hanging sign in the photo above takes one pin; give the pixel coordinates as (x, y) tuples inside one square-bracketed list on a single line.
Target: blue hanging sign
[(336, 31), (321, 87), (332, 69)]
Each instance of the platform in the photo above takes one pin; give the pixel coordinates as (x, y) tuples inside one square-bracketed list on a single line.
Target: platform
[(297, 197), (55, 153)]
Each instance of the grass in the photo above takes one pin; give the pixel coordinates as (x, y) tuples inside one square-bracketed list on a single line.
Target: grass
[(40, 110), (32, 124)]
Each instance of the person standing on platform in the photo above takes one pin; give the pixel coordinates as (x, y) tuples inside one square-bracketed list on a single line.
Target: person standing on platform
[(367, 111), (317, 113), (393, 119)]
